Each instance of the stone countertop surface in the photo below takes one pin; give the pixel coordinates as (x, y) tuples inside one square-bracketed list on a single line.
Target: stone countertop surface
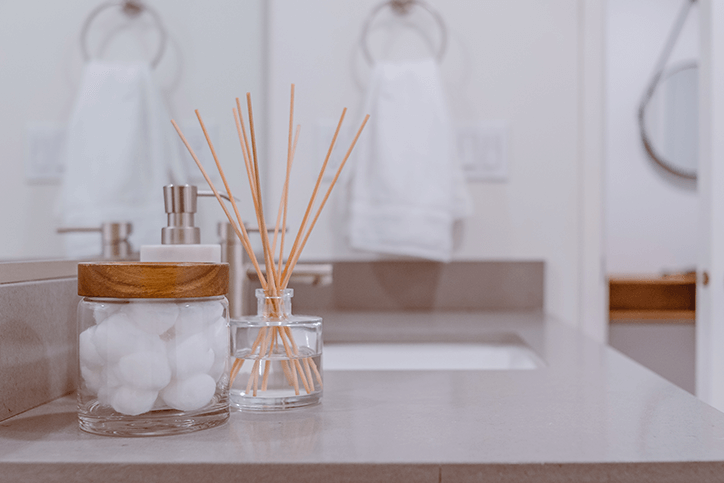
[(590, 414)]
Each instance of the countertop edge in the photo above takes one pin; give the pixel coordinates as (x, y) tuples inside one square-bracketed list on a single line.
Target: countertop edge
[(661, 472)]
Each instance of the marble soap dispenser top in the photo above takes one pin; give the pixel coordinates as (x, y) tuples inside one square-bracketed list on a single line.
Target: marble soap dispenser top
[(180, 240)]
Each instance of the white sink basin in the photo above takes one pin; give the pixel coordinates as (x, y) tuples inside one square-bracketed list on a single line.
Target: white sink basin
[(428, 356)]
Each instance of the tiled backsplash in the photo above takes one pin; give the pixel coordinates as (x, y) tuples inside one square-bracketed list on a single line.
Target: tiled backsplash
[(416, 285), (37, 343)]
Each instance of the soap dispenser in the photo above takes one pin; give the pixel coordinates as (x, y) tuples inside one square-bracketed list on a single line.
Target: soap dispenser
[(180, 239)]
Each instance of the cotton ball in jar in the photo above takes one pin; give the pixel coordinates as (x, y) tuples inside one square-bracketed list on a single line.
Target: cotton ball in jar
[(87, 352), (109, 382), (145, 370), (218, 337), (117, 336), (191, 355), (153, 317), (218, 368), (189, 394), (212, 311), (102, 311), (190, 319), (132, 401), (91, 377)]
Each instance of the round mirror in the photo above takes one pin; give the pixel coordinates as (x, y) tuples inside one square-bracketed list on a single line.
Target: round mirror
[(669, 120)]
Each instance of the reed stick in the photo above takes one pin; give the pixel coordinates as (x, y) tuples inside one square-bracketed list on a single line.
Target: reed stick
[(277, 274), (308, 373), (254, 370), (245, 153), (294, 250), (293, 369), (269, 259), (241, 233), (316, 373), (286, 180), (252, 256), (245, 140), (287, 373), (292, 263), (300, 371), (282, 212)]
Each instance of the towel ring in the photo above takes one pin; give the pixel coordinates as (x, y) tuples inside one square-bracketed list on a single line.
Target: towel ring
[(132, 8), (403, 7)]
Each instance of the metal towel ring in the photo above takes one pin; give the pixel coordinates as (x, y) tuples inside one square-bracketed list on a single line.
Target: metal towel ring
[(651, 87), (403, 7), (132, 8)]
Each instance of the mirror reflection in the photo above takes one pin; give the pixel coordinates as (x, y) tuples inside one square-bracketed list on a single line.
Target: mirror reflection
[(197, 54), (671, 121)]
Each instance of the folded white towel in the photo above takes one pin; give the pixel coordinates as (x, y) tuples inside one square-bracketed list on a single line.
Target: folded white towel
[(120, 151), (407, 185)]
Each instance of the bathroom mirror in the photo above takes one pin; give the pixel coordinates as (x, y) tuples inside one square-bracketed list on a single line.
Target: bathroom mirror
[(669, 121), (213, 52)]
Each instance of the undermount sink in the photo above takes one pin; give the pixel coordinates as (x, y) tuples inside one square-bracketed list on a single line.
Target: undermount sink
[(510, 354)]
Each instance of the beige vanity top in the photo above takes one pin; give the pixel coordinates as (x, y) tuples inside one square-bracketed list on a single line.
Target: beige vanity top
[(590, 414)]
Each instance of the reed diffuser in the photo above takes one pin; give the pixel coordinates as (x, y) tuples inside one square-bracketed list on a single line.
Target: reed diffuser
[(282, 352)]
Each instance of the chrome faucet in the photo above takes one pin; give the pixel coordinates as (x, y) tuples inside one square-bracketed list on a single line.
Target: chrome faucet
[(114, 239)]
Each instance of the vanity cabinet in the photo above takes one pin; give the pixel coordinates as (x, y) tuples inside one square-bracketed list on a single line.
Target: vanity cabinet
[(652, 322)]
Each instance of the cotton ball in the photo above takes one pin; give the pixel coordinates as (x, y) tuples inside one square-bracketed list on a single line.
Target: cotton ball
[(102, 311), (212, 311), (91, 377), (109, 382), (218, 368), (159, 405), (188, 356), (117, 337), (87, 350), (190, 319), (145, 370), (217, 335), (133, 401), (104, 395), (110, 375), (152, 317), (189, 394)]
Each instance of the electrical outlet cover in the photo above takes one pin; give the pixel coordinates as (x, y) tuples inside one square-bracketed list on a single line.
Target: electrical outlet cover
[(483, 150), (45, 143)]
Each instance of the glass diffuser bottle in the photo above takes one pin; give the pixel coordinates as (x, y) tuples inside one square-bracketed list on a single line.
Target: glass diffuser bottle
[(277, 356)]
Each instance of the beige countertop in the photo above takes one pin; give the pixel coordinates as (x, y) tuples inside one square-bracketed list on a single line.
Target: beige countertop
[(590, 414)]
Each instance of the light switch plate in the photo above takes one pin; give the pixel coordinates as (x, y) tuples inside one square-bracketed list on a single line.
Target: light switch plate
[(483, 150), (44, 145)]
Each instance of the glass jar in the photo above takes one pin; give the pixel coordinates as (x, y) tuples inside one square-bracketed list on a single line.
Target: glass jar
[(277, 356), (153, 347)]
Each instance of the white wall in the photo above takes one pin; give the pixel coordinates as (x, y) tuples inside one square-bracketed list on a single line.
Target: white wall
[(651, 223), (215, 53), (513, 61), (709, 303)]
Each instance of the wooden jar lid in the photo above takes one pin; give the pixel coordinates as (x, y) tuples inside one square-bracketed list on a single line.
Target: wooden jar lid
[(151, 280)]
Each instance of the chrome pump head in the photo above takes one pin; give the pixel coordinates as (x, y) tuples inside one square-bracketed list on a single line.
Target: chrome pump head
[(180, 203)]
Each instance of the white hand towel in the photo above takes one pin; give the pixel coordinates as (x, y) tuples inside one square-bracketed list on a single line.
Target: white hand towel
[(120, 151), (407, 186)]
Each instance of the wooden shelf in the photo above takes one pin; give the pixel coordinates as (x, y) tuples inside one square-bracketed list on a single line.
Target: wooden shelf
[(645, 298)]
